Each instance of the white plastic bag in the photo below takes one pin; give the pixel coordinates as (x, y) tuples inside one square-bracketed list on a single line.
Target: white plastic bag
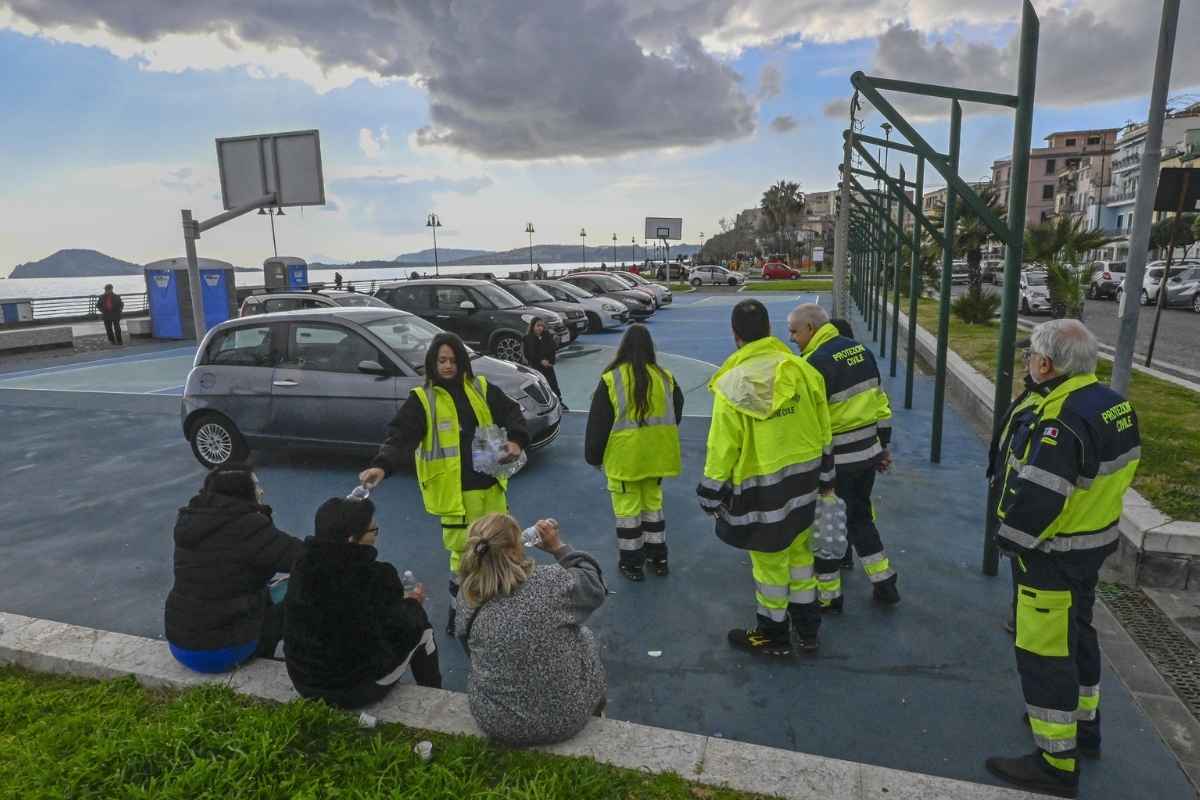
[(489, 447), (829, 528)]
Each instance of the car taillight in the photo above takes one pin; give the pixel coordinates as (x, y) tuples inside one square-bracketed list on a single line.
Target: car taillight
[(1107, 277)]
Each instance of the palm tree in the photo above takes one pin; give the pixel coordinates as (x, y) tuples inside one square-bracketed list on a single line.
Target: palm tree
[(1059, 244), (972, 234), (782, 210)]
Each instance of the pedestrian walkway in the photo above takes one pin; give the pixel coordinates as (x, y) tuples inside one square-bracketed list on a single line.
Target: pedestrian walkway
[(929, 686)]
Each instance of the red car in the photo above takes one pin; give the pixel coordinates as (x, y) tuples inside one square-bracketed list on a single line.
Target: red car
[(778, 270)]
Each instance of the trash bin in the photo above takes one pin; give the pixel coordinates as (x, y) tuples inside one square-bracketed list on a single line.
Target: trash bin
[(168, 294), (16, 310), (281, 273)]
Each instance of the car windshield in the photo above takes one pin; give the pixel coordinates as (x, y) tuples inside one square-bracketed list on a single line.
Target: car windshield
[(635, 278), (569, 290), (407, 335), (528, 293), (608, 283), (497, 296), (1116, 266), (1036, 278), (359, 300)]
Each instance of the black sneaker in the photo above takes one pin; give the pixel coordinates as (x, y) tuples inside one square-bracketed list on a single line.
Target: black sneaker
[(760, 642), (631, 572), (808, 645), (1033, 773), (885, 592), (833, 606), (659, 565), (1087, 737)]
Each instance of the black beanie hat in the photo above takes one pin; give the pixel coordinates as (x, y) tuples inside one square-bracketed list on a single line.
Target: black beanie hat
[(340, 518)]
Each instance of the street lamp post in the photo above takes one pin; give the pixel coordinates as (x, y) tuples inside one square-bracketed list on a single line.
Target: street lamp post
[(433, 222), (614, 249), (701, 253), (583, 245), (633, 249), (530, 231), (272, 213)]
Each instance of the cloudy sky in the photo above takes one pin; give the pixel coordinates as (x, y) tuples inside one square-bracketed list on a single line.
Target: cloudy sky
[(569, 113)]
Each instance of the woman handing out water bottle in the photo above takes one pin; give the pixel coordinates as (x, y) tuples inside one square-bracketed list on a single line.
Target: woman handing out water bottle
[(438, 422)]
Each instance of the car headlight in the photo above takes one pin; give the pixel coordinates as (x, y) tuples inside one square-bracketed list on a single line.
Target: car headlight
[(610, 308), (527, 318)]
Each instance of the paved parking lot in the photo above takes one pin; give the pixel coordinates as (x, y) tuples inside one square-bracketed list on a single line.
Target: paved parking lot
[(91, 484)]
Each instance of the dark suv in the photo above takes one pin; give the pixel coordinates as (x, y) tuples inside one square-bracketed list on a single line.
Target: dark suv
[(640, 304), (487, 317), (573, 316)]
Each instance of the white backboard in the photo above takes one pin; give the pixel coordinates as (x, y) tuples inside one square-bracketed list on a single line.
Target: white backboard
[(286, 163), (664, 228)]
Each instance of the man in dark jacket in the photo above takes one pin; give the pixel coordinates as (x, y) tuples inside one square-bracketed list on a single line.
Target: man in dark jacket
[(219, 612), (110, 306), (352, 630)]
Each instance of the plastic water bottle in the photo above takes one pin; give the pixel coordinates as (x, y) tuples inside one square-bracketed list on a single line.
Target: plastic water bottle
[(361, 492), (829, 533), (408, 580), (530, 537)]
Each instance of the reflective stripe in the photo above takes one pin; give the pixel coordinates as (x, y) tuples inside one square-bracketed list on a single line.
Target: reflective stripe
[(444, 452), (655, 537), (828, 577), (803, 597), (768, 517), (1120, 462), (868, 561), (629, 522), (1051, 715), (828, 477), (773, 478), (622, 421), (713, 484), (855, 436), (1089, 691), (880, 577), (884, 423), (1054, 745), (767, 590), (1061, 764), (859, 455), (802, 573), (858, 388), (1063, 542), (775, 614), (830, 594), (1046, 479), (709, 505), (630, 544), (652, 516), (1089, 703)]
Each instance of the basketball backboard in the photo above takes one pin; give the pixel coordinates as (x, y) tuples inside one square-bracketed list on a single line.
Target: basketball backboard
[(288, 164), (664, 228)]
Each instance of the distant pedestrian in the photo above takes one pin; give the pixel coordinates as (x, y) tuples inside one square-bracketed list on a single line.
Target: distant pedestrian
[(541, 352), (337, 281), (539, 272), (110, 305)]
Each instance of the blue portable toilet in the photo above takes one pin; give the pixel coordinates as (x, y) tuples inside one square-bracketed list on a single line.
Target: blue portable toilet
[(169, 297), (283, 273)]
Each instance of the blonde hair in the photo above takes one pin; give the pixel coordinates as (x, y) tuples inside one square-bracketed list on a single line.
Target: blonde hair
[(494, 562)]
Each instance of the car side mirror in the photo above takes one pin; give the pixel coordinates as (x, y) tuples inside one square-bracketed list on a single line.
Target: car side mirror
[(373, 368), (467, 305)]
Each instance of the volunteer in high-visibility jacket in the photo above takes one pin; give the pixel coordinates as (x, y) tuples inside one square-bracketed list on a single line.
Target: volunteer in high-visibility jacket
[(434, 428), (862, 429), (1064, 478), (633, 432), (770, 453)]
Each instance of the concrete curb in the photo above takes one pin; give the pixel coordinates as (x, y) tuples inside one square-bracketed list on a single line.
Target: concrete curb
[(57, 647), (1156, 550)]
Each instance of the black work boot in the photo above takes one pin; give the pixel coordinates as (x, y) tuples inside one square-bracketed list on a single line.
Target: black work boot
[(832, 606), (657, 557), (1033, 773), (805, 626), (885, 592), (631, 571), (770, 638), (1087, 736)]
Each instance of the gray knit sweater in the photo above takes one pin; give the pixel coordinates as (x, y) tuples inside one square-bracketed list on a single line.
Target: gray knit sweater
[(536, 675)]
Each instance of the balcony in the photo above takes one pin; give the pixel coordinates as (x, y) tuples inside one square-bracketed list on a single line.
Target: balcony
[(1121, 197), (1126, 162)]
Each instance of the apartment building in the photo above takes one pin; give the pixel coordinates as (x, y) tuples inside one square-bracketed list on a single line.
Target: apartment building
[(1065, 151)]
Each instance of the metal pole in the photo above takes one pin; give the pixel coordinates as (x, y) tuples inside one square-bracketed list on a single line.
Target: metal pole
[(896, 278), (841, 234), (1161, 300), (1139, 241), (437, 270), (914, 284), (943, 338), (885, 259), (274, 247), (191, 232), (1014, 255)]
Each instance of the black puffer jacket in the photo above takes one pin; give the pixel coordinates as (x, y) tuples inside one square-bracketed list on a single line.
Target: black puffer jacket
[(226, 549), (347, 620)]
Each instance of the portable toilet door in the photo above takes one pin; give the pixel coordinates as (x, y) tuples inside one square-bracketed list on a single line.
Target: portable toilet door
[(298, 275), (215, 290), (162, 295)]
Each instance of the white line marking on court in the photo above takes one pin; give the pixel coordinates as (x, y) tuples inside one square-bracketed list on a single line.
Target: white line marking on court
[(72, 391)]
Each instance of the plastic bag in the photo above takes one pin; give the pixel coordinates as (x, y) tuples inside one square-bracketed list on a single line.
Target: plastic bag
[(489, 447), (829, 528)]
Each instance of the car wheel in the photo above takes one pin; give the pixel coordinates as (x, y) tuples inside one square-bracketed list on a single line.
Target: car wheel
[(1092, 293), (1196, 303), (793, 276), (1025, 305), (594, 323), (216, 441), (733, 281), (508, 348), (697, 282)]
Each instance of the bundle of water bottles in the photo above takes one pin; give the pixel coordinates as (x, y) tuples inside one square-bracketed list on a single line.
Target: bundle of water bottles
[(489, 453), (829, 528)]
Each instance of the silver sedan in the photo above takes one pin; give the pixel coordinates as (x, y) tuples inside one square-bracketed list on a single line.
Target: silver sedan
[(326, 378)]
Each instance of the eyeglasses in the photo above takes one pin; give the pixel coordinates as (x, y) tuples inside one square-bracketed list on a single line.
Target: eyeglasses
[(374, 530)]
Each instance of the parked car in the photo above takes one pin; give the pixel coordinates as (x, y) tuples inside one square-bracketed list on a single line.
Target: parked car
[(1105, 279), (487, 317), (531, 295), (1183, 290), (627, 282), (661, 293), (606, 286), (601, 312), (1035, 293), (294, 301), (329, 377), (777, 270), (712, 275), (664, 272), (1154, 276), (993, 271)]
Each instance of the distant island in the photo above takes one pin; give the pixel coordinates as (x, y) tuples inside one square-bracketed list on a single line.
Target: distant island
[(79, 263)]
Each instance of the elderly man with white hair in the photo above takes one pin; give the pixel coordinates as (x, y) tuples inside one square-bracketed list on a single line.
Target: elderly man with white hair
[(1066, 463)]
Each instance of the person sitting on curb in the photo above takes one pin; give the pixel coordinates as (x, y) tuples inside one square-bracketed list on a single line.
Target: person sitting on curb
[(352, 630), (219, 612), (536, 675)]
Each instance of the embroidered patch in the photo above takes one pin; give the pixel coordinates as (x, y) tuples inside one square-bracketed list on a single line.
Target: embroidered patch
[(1050, 432)]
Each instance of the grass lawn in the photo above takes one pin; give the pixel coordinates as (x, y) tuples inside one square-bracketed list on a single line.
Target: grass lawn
[(69, 738), (795, 286), (1169, 415)]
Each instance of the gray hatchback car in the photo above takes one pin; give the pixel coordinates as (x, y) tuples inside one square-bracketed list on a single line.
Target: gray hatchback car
[(330, 377)]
